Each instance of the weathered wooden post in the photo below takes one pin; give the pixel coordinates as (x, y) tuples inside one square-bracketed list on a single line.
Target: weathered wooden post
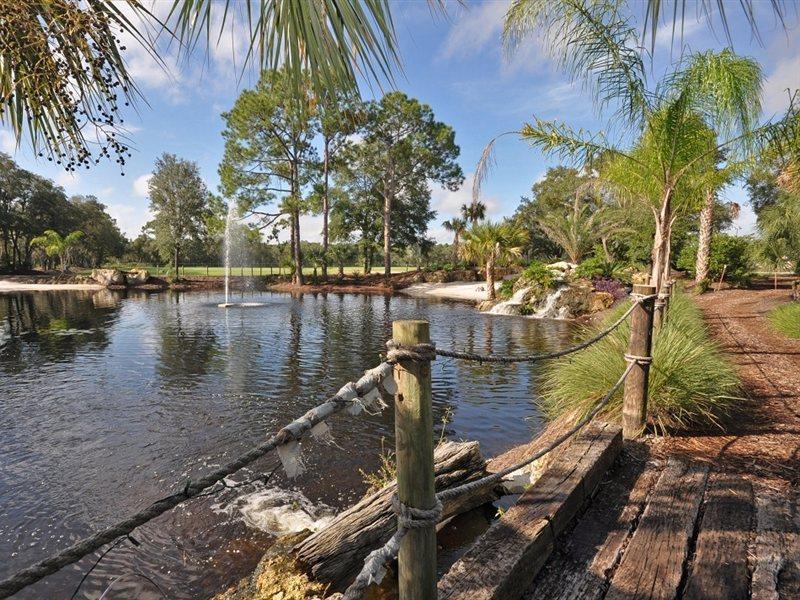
[(634, 404), (415, 481)]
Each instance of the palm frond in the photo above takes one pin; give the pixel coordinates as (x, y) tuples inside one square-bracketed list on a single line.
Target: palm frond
[(593, 42), (485, 165), (710, 10), (335, 40)]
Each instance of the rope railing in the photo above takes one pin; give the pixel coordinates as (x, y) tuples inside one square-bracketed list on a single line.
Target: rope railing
[(357, 396), (375, 564), (494, 358), (354, 395)]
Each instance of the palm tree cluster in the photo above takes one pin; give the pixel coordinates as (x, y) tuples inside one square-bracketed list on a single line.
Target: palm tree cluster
[(704, 112)]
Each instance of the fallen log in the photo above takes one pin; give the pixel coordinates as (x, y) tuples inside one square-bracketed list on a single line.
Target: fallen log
[(335, 554)]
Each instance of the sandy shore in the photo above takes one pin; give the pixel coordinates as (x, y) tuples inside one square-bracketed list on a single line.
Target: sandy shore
[(467, 291), (14, 286)]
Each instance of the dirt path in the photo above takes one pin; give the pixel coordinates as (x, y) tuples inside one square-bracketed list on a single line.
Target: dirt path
[(763, 438)]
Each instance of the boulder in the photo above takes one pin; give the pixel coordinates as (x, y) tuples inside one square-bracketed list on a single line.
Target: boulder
[(601, 301), (137, 276), (108, 276)]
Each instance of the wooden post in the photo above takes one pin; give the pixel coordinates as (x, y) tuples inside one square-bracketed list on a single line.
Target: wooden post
[(415, 481), (634, 404)]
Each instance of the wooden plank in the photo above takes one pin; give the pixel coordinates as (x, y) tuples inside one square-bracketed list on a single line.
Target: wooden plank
[(776, 550), (653, 562), (580, 567), (505, 559), (719, 566)]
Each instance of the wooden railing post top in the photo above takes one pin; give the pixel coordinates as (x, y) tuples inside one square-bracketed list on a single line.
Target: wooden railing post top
[(411, 332), (644, 289)]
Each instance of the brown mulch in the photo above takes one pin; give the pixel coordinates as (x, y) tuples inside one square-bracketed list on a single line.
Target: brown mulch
[(762, 438)]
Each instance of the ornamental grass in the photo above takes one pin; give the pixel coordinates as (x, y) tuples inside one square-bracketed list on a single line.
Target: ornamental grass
[(691, 382)]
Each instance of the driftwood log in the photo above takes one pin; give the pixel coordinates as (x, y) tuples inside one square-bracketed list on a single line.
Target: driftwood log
[(335, 554)]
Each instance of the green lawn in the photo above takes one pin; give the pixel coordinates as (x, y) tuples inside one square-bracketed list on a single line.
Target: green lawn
[(257, 271), (786, 319)]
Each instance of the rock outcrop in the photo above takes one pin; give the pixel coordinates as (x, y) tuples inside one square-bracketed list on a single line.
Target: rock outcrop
[(108, 276)]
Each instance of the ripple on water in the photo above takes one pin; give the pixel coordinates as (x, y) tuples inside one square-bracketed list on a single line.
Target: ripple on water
[(109, 406)]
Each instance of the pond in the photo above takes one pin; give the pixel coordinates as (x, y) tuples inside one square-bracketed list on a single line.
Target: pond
[(110, 401)]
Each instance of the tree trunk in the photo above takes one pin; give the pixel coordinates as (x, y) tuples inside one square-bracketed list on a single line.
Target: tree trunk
[(704, 239), (387, 236), (298, 255), (490, 293), (661, 240), (325, 209), (177, 260)]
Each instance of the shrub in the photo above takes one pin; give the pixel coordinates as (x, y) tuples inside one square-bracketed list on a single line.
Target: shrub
[(613, 286), (539, 273), (506, 289), (690, 380), (732, 250), (786, 319), (597, 266)]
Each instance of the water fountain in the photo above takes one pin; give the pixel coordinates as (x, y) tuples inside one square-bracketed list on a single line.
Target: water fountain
[(547, 310), (229, 219)]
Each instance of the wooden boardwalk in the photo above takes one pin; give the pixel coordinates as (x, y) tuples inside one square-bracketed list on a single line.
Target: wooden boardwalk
[(665, 529)]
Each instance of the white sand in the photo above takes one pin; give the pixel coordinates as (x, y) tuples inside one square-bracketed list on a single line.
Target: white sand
[(14, 286), (470, 291)]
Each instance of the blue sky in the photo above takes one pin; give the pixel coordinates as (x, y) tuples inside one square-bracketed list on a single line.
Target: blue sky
[(455, 64)]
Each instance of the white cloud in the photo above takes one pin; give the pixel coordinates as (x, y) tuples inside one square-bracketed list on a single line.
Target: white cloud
[(141, 185), (475, 29), (130, 219), (448, 204), (8, 143), (69, 181)]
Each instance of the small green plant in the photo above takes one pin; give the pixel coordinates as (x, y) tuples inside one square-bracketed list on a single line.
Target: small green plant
[(690, 380), (597, 266), (538, 273), (786, 319), (386, 473), (506, 289)]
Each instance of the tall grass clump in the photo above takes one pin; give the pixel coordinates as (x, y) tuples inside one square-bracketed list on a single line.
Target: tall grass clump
[(786, 319), (690, 381)]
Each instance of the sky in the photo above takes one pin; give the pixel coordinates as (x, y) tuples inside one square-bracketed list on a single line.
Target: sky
[(456, 64)]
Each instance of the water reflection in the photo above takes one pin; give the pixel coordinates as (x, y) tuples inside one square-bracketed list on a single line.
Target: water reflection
[(109, 401)]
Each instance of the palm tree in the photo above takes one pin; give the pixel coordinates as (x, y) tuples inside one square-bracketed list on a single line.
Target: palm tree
[(493, 244), (474, 212), (457, 227), (54, 244), (710, 93)]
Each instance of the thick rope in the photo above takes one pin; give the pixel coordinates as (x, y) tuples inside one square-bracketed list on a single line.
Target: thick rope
[(537, 357), (408, 518), (417, 352), (375, 563), (291, 432)]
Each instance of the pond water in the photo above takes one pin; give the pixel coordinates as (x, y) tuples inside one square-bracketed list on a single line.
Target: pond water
[(109, 402)]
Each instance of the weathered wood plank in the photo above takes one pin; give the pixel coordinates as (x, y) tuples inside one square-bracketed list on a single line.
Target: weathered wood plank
[(719, 567), (505, 559), (580, 566), (776, 549), (336, 553), (653, 562)]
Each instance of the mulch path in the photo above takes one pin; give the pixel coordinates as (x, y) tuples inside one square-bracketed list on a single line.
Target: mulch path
[(762, 439)]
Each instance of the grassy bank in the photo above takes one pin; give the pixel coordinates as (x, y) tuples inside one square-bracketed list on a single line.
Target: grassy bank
[(786, 319), (690, 380), (254, 271)]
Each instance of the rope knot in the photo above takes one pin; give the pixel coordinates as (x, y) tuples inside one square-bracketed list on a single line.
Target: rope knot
[(639, 360), (417, 352), (409, 517)]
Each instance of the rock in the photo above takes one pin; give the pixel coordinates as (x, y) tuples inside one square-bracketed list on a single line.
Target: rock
[(640, 278), (601, 301), (485, 305), (577, 299), (108, 276), (137, 276)]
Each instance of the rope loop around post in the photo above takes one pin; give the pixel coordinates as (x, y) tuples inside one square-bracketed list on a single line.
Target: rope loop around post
[(417, 352), (639, 360), (409, 517)]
